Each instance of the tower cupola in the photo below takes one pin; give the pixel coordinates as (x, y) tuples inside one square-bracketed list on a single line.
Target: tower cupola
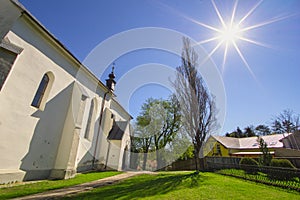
[(110, 82)]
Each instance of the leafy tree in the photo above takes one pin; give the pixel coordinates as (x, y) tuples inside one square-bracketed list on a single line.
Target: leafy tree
[(240, 133), (188, 154), (232, 134), (171, 126), (160, 120), (140, 143), (249, 131), (262, 130), (197, 104), (286, 122)]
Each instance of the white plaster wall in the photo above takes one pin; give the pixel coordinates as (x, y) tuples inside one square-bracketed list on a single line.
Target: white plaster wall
[(87, 147), (18, 119), (106, 125), (125, 142), (114, 155), (121, 115), (119, 111), (30, 137)]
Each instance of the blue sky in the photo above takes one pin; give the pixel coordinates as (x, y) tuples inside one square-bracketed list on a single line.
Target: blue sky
[(252, 99)]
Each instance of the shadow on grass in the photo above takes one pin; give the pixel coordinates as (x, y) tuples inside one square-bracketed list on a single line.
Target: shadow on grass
[(144, 186)]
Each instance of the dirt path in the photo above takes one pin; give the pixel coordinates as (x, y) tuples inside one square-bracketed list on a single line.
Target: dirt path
[(54, 194)]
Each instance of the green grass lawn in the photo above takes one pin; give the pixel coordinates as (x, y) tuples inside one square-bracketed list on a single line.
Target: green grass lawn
[(27, 189), (185, 185)]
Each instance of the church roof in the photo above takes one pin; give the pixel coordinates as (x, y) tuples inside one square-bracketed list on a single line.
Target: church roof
[(61, 45), (40, 25)]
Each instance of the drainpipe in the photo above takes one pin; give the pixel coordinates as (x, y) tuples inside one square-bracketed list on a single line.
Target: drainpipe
[(99, 128)]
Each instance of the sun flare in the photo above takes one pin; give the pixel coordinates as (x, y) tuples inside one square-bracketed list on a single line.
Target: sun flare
[(232, 32)]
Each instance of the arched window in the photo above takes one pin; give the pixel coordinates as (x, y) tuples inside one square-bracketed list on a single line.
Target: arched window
[(40, 93)]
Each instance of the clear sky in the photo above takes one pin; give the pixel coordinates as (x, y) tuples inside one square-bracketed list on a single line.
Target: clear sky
[(260, 74)]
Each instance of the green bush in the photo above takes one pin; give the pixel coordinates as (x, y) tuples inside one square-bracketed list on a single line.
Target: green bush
[(284, 163), (287, 174), (249, 165), (248, 161)]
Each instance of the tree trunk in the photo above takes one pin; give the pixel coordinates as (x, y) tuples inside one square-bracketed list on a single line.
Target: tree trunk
[(196, 157), (196, 162)]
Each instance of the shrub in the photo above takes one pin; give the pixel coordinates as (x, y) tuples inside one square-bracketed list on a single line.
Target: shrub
[(249, 165), (282, 174), (248, 161), (284, 163)]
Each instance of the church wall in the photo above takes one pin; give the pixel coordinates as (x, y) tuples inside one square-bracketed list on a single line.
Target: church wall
[(30, 136), (113, 158), (87, 150), (122, 115), (34, 142)]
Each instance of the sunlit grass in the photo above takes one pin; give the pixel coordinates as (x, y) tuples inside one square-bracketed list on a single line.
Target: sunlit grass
[(27, 189), (186, 185)]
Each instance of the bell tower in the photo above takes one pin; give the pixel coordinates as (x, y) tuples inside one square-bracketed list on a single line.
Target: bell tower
[(110, 82)]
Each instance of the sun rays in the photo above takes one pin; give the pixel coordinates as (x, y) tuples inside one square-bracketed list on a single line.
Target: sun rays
[(232, 32)]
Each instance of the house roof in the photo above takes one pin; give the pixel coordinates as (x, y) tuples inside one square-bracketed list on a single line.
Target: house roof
[(292, 140), (273, 141), (228, 142)]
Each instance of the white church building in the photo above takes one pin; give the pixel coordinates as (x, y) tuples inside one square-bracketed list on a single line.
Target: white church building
[(53, 123)]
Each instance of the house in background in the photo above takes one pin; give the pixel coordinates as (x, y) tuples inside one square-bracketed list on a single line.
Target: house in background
[(56, 117), (242, 147), (292, 141), (291, 150)]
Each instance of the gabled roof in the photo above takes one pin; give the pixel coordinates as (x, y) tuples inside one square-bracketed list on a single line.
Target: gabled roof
[(228, 142), (273, 141)]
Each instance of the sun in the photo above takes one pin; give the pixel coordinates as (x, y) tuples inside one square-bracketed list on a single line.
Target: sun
[(231, 33)]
